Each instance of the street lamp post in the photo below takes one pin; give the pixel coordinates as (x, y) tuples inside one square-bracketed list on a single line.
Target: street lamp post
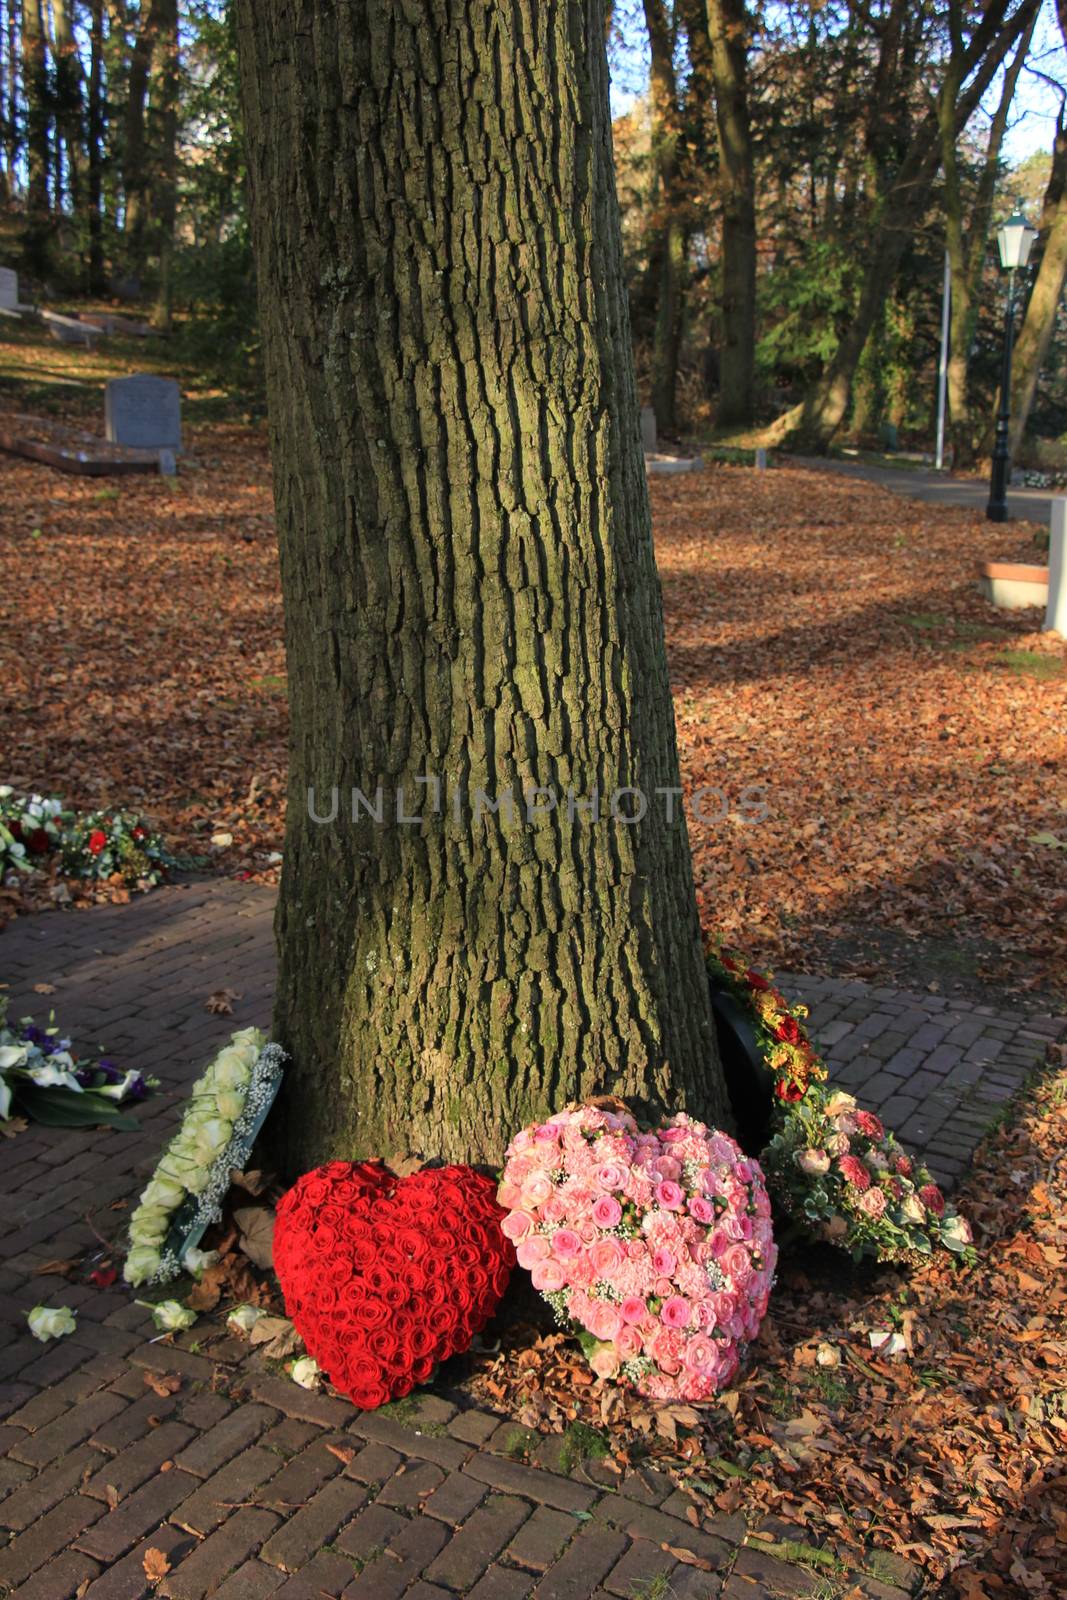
[(1014, 242)]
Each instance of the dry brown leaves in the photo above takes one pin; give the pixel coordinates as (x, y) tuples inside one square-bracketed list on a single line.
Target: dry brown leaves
[(826, 642), (951, 1454)]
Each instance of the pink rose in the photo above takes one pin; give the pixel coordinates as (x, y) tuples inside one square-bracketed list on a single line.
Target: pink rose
[(565, 1243), (508, 1194), (669, 1196), (872, 1204), (604, 1361), (673, 1135), (737, 1264), (701, 1210), (701, 1355), (663, 1262), (675, 1312), (667, 1168), (535, 1191), (632, 1309), (607, 1257), (533, 1250), (628, 1343), (610, 1176), (516, 1225), (603, 1320), (607, 1212), (548, 1276)]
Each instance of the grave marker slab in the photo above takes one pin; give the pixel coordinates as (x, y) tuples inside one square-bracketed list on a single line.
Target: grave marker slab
[(648, 430), (9, 291), (144, 411)]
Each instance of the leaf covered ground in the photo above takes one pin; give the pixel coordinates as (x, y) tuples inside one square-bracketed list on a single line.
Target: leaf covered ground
[(949, 1452), (831, 658)]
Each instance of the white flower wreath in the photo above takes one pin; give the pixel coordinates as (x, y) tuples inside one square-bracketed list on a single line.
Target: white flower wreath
[(226, 1109)]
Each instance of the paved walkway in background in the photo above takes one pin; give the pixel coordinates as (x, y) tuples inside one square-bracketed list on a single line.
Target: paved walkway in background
[(923, 483), (248, 1485)]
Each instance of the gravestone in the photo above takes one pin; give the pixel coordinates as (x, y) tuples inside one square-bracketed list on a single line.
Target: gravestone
[(145, 412), (761, 459), (71, 330), (9, 289), (1056, 613), (648, 430)]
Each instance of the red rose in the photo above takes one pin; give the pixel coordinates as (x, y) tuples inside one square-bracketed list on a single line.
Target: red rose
[(140, 833), (932, 1199), (788, 1031), (38, 842), (97, 841), (786, 1089), (756, 980)]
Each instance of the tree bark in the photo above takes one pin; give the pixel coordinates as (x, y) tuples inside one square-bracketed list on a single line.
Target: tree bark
[(38, 143), (69, 98), (671, 248), (164, 103), (95, 142), (1043, 306), (728, 24), (136, 182), (966, 245), (469, 582)]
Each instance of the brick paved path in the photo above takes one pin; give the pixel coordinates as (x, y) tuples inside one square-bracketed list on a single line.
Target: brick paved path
[(250, 1486)]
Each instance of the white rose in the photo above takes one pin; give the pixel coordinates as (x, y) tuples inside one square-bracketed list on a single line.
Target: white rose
[(244, 1317), (956, 1232), (142, 1264), (231, 1070), (230, 1104), (213, 1136), (197, 1261), (12, 1055), (840, 1103), (6, 791), (305, 1372), (813, 1162), (150, 1222), (170, 1315), (198, 1179), (162, 1194), (911, 1209), (50, 1322)]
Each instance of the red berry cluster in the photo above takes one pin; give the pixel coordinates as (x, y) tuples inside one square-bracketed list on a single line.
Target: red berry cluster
[(384, 1277)]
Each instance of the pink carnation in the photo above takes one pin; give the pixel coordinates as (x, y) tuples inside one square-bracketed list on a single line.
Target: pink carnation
[(854, 1172)]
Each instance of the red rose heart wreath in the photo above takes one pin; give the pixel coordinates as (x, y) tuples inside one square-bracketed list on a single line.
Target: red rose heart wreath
[(384, 1277)]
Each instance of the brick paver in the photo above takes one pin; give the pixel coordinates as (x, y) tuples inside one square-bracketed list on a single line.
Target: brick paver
[(249, 1486)]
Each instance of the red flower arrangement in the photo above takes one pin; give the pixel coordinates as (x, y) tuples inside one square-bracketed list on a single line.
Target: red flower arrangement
[(779, 1026), (385, 1277)]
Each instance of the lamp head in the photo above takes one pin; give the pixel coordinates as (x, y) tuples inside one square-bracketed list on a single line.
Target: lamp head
[(1015, 240)]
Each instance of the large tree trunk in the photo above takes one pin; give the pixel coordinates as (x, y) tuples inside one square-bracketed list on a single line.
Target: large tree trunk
[(136, 177), (727, 23), (1046, 296), (967, 243), (38, 144), (470, 588), (69, 98), (164, 102), (95, 139), (671, 249)]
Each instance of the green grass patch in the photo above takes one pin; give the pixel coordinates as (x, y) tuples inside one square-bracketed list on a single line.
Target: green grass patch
[(581, 1442), (1030, 664)]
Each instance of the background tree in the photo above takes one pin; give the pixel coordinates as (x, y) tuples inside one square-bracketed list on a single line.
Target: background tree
[(469, 583)]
